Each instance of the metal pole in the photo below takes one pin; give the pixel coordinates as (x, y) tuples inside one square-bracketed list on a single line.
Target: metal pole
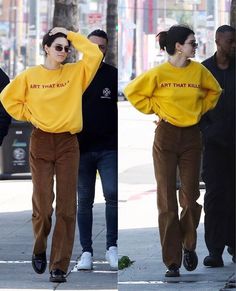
[(133, 75)]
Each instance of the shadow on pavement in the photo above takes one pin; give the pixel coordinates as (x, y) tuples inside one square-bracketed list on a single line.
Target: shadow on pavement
[(16, 241), (142, 245)]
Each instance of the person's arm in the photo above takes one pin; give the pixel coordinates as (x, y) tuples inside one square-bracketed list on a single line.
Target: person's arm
[(212, 88), (92, 56), (13, 98), (140, 92), (5, 118)]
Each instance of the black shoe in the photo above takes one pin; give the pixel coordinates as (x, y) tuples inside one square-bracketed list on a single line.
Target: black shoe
[(172, 271), (39, 263), (213, 261), (57, 276), (190, 260), (231, 251)]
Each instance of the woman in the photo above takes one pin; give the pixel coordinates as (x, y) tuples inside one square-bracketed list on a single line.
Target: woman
[(49, 96), (179, 92)]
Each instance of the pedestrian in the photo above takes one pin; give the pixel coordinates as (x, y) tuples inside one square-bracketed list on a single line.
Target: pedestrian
[(178, 91), (5, 118), (49, 96), (218, 130), (98, 153)]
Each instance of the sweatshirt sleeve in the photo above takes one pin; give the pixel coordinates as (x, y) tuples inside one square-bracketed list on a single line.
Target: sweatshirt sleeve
[(92, 56), (213, 90), (140, 92), (14, 100)]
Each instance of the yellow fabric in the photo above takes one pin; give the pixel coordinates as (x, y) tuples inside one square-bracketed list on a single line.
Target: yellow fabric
[(52, 99), (177, 95)]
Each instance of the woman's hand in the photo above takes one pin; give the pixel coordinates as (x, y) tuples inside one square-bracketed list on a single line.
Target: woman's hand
[(56, 30)]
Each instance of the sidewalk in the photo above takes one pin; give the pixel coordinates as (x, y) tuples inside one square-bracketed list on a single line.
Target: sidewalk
[(16, 242), (139, 240), (138, 217)]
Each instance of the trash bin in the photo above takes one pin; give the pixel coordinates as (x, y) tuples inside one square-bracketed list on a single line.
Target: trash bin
[(14, 152)]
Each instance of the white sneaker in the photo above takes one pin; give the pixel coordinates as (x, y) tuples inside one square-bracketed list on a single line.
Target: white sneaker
[(112, 257), (85, 262)]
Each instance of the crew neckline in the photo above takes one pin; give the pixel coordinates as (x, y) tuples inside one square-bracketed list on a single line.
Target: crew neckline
[(51, 70), (180, 68)]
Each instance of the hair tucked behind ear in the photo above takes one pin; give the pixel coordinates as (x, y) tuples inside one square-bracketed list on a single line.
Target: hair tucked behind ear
[(176, 33)]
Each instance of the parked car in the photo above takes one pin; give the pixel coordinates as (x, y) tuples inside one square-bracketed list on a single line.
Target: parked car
[(121, 85)]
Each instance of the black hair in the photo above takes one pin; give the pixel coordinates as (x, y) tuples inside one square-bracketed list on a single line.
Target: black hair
[(225, 28), (49, 39), (176, 33), (99, 33)]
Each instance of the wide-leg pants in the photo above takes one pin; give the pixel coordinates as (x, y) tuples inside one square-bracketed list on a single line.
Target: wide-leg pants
[(54, 153), (177, 147)]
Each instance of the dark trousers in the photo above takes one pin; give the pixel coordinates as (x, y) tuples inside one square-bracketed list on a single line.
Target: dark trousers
[(105, 162), (177, 147), (219, 203), (54, 153)]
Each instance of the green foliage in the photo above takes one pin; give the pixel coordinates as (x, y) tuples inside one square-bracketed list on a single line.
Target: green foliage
[(124, 262)]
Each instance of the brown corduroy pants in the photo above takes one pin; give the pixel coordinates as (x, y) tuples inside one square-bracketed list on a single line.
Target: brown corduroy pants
[(177, 147), (54, 154)]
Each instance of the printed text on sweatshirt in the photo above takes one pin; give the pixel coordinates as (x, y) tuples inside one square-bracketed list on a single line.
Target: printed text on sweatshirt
[(178, 95), (52, 99)]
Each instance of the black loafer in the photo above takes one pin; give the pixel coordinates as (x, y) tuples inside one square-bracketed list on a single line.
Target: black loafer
[(172, 271), (190, 260), (213, 261), (39, 263), (57, 276)]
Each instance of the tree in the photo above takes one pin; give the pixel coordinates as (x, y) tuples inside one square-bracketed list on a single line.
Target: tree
[(233, 13), (66, 15), (111, 22)]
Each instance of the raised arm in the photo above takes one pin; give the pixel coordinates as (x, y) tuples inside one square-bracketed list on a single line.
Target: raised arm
[(92, 56)]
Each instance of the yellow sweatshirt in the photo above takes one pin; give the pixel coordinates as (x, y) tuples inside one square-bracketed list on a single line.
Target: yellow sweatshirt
[(52, 99), (177, 95)]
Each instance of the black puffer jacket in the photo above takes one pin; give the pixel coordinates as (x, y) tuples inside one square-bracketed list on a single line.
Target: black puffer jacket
[(218, 125), (5, 118)]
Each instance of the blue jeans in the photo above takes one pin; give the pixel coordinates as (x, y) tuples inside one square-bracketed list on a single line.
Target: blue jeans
[(105, 162)]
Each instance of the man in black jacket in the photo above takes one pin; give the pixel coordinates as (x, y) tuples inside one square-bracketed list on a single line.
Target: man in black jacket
[(98, 153), (5, 119), (218, 129)]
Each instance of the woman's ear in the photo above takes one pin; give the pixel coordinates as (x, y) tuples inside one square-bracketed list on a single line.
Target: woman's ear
[(178, 47), (46, 49)]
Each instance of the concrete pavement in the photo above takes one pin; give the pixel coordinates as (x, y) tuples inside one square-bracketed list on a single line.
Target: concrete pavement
[(16, 240)]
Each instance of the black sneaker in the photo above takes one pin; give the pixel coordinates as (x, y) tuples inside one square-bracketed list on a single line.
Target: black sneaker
[(39, 263), (213, 261), (57, 276), (190, 260), (172, 271)]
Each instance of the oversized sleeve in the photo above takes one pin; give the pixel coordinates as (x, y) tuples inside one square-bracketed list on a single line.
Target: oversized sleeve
[(13, 98), (212, 90), (140, 92), (92, 56)]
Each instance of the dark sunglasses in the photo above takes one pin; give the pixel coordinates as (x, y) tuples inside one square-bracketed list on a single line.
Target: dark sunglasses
[(193, 44), (60, 48)]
